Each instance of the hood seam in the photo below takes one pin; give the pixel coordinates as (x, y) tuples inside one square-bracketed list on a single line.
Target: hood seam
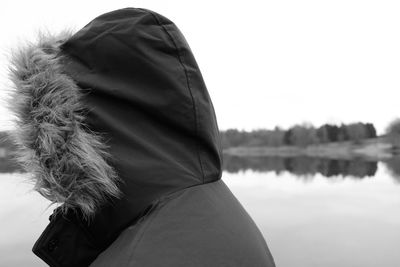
[(181, 61)]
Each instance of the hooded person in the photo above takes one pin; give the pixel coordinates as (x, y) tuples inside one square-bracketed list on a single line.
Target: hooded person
[(115, 124)]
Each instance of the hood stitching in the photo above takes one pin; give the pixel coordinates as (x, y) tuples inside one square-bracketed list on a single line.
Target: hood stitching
[(189, 86)]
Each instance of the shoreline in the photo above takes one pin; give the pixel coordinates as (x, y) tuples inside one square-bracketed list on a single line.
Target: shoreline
[(377, 149)]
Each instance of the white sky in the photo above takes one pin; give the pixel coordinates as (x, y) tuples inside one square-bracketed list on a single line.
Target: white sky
[(265, 63)]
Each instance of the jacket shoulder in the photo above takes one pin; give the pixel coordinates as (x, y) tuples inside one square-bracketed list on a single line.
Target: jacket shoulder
[(203, 225)]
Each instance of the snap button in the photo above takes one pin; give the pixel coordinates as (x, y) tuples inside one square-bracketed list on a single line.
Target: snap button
[(52, 245)]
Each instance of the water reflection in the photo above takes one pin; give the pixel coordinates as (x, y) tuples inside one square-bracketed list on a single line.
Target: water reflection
[(306, 167), (393, 166), (347, 222), (350, 222), (303, 167)]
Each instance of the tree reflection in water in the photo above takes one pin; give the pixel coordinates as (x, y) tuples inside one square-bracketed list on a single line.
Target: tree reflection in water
[(304, 166), (301, 166)]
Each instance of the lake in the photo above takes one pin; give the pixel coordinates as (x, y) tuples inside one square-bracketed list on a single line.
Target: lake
[(312, 213)]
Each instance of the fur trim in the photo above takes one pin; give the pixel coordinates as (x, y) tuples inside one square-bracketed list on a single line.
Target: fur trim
[(67, 160)]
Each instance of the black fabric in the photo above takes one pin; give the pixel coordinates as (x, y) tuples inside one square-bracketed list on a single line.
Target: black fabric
[(146, 96), (198, 226)]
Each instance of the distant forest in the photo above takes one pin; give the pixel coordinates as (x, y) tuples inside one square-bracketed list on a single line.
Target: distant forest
[(301, 135), (304, 135), (298, 135)]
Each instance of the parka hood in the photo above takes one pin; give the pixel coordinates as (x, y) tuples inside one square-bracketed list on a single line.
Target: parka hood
[(67, 162), (112, 117)]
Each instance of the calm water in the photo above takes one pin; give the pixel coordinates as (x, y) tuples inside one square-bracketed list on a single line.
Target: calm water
[(309, 217)]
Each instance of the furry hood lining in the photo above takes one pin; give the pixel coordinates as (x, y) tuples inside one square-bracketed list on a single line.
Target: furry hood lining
[(67, 161)]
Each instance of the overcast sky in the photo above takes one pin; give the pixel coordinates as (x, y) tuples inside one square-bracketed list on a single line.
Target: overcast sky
[(265, 63)]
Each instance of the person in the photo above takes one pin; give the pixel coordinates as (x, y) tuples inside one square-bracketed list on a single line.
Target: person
[(116, 126)]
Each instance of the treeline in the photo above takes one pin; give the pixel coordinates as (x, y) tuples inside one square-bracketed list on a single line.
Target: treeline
[(298, 135)]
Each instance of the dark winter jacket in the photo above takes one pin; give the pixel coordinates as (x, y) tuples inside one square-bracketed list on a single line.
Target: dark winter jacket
[(115, 123)]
